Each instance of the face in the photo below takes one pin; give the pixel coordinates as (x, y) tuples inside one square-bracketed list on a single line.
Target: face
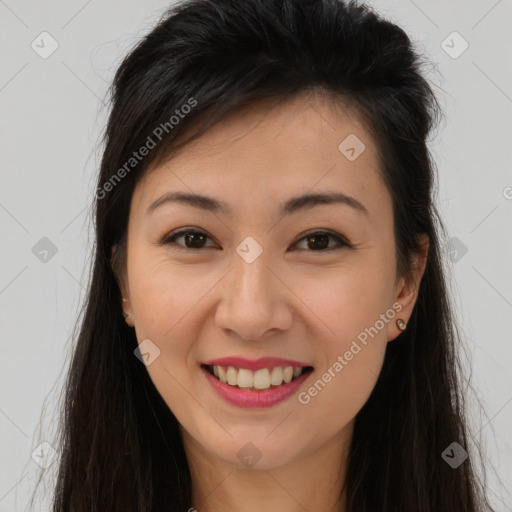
[(254, 280)]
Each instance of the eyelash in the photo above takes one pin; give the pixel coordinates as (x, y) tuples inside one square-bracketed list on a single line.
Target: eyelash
[(171, 237)]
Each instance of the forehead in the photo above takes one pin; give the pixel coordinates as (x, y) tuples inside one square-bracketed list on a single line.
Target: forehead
[(270, 151)]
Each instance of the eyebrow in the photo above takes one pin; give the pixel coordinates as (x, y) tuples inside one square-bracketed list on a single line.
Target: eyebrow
[(292, 205)]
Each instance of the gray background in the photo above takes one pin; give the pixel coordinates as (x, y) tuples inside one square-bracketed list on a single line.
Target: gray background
[(51, 119)]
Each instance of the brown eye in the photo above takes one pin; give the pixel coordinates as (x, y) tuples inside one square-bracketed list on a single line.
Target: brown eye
[(318, 241), (192, 239)]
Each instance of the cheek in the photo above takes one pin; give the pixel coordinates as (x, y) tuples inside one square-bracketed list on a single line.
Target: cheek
[(164, 293), (163, 298), (354, 308), (348, 298)]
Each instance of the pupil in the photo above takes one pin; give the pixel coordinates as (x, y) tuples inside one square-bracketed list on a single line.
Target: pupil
[(190, 238), (318, 245)]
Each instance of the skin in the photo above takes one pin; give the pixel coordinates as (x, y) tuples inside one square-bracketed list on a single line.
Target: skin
[(293, 301)]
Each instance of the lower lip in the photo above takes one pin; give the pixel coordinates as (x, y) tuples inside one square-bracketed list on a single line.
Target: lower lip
[(255, 399)]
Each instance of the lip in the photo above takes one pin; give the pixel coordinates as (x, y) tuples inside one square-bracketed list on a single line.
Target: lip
[(258, 364), (255, 399)]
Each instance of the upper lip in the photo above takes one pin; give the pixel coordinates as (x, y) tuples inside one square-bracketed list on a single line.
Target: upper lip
[(258, 364)]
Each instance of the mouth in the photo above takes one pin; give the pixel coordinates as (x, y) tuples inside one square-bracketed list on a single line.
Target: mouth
[(263, 379)]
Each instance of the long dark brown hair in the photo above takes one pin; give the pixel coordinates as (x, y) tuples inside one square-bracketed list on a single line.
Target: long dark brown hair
[(120, 445)]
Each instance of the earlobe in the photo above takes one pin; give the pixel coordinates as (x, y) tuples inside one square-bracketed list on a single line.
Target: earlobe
[(126, 314), (408, 288)]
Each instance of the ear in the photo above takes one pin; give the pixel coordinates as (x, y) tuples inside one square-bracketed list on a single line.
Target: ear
[(118, 268), (407, 289), (116, 265)]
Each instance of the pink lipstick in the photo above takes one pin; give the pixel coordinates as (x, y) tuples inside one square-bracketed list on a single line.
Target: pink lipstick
[(255, 383)]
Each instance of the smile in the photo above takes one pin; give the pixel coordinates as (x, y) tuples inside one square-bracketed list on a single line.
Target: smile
[(259, 380), (267, 383)]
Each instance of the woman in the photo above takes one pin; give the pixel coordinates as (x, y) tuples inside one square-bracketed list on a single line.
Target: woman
[(268, 322)]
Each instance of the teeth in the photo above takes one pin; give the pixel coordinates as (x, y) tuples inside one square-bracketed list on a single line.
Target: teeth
[(288, 374), (232, 375), (245, 378), (261, 379), (277, 376), (222, 374)]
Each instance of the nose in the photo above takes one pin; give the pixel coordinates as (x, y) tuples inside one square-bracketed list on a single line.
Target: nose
[(255, 300)]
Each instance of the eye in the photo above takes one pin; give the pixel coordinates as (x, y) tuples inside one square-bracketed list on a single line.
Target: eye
[(317, 241), (193, 238)]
